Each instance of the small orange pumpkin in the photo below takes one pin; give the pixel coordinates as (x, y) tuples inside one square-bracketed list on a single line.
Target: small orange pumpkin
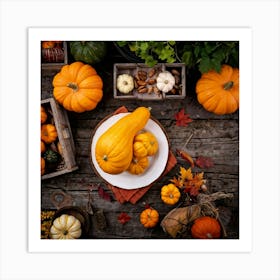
[(48, 44), (170, 194), (138, 165), (78, 87), (219, 92), (149, 141), (139, 150), (206, 228), (48, 133), (44, 115), (43, 147), (43, 165), (149, 217)]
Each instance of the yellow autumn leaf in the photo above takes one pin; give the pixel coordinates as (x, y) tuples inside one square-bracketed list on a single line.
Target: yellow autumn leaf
[(185, 174)]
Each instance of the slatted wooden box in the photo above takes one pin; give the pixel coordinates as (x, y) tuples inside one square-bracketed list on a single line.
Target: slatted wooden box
[(60, 119), (134, 68), (56, 64)]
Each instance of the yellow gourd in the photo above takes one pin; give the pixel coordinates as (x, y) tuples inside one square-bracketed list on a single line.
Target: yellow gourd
[(149, 141), (139, 150), (114, 148), (170, 194), (138, 165)]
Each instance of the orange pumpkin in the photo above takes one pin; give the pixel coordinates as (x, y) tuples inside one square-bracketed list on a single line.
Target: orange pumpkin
[(138, 165), (44, 115), (78, 87), (170, 194), (206, 228), (219, 92), (48, 44), (149, 141), (139, 150), (43, 147), (149, 217), (48, 133), (43, 165)]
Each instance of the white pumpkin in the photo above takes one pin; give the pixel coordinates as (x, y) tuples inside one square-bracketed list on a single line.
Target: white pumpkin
[(125, 83), (165, 81), (66, 227)]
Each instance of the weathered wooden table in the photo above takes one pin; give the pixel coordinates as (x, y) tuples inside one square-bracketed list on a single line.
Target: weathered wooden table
[(212, 136)]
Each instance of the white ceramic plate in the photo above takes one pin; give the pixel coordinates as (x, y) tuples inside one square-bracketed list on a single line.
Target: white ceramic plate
[(125, 180)]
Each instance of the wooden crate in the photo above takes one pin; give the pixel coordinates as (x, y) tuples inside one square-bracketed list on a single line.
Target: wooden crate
[(65, 138), (56, 66), (133, 68)]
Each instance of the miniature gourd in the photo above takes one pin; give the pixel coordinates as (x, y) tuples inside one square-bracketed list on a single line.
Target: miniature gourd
[(114, 148), (78, 87), (125, 83), (90, 52), (206, 228), (149, 141), (139, 149), (48, 133), (165, 81), (43, 147), (66, 227), (149, 217), (43, 166), (44, 115), (138, 165), (219, 92), (170, 194), (51, 156)]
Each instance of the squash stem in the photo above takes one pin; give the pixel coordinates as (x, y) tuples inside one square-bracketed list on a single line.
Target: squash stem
[(228, 85), (73, 86)]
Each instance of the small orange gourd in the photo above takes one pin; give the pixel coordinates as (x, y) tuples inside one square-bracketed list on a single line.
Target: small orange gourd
[(139, 150), (43, 147), (149, 141), (206, 228), (170, 194), (43, 165), (219, 92), (138, 165), (48, 133), (149, 217), (114, 148), (44, 115), (78, 87)]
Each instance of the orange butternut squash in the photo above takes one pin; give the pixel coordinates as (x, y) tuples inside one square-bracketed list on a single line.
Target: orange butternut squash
[(114, 148)]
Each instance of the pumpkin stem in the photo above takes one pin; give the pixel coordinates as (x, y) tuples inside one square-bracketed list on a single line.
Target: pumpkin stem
[(73, 86), (228, 85), (105, 158)]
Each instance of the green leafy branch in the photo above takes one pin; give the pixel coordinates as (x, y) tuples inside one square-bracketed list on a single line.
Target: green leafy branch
[(205, 55)]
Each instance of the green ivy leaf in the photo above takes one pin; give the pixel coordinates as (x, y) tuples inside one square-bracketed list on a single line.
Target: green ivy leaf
[(186, 58)]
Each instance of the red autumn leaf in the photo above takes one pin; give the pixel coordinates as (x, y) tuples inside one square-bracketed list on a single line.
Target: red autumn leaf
[(204, 162), (103, 194), (182, 119), (147, 206), (123, 218), (194, 191)]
